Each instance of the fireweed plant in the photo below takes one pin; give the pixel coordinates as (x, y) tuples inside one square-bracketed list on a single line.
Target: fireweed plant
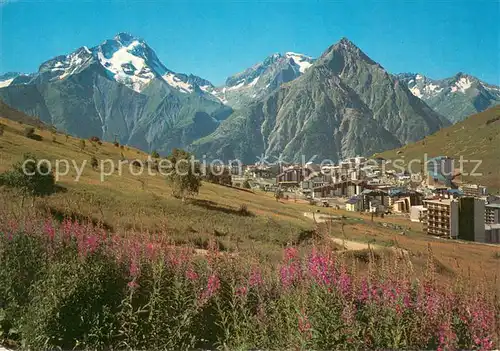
[(75, 285)]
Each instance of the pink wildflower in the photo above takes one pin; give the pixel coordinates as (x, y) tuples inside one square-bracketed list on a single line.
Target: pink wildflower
[(290, 253), (305, 325), (255, 278), (191, 275), (134, 268), (132, 284), (289, 274), (241, 291), (213, 286), (50, 230)]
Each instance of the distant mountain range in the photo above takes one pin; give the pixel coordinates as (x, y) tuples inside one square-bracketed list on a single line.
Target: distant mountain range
[(456, 97), (289, 105), (344, 104)]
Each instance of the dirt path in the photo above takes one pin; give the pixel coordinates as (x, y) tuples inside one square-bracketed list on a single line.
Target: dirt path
[(350, 245)]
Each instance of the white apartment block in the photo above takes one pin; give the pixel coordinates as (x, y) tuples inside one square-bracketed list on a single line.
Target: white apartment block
[(492, 214), (442, 218)]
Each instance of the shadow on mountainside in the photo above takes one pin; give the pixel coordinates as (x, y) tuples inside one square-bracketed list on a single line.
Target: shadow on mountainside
[(213, 206)]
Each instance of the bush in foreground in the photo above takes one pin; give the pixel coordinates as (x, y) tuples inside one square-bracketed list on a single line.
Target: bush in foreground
[(73, 285), (28, 179)]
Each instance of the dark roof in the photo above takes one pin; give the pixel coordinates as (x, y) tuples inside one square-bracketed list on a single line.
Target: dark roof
[(353, 200)]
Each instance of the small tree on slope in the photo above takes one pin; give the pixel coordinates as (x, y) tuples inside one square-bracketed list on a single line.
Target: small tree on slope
[(30, 180), (184, 176)]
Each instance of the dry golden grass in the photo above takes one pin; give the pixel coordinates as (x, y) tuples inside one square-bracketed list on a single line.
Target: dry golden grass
[(476, 138), (145, 203)]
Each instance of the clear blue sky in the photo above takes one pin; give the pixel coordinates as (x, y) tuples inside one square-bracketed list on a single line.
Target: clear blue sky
[(215, 39)]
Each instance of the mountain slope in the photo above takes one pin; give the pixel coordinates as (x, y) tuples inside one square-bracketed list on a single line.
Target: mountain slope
[(20, 117), (475, 138), (343, 105), (315, 115), (456, 97), (401, 113), (261, 79), (118, 89)]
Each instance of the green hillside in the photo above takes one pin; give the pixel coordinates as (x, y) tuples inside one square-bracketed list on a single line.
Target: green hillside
[(475, 138)]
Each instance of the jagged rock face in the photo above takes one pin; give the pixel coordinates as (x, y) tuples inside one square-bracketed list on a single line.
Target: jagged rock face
[(456, 97), (263, 78), (399, 111), (345, 104)]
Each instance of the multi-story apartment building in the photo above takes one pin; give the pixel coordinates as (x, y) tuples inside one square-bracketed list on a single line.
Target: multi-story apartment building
[(492, 233), (471, 219), (473, 190), (442, 218), (461, 218), (492, 213)]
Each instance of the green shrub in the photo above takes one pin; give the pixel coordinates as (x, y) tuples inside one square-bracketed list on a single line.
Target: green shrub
[(184, 177), (29, 132), (243, 210), (93, 162), (29, 178)]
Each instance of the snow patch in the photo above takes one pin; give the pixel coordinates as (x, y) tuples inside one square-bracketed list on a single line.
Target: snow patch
[(491, 88), (253, 82), (461, 85), (416, 91), (237, 86), (177, 83), (300, 60), (205, 88), (418, 77), (432, 89), (127, 68), (6, 83)]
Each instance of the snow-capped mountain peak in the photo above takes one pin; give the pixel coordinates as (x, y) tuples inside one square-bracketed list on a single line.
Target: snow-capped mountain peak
[(303, 61), (125, 59), (462, 92), (421, 86), (462, 84), (128, 62), (263, 77)]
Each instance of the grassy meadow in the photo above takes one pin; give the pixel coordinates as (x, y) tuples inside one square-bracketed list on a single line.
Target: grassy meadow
[(475, 138), (229, 268)]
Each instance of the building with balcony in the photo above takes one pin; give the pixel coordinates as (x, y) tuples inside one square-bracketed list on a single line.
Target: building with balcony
[(293, 176), (418, 213), (473, 190), (492, 213), (442, 218)]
